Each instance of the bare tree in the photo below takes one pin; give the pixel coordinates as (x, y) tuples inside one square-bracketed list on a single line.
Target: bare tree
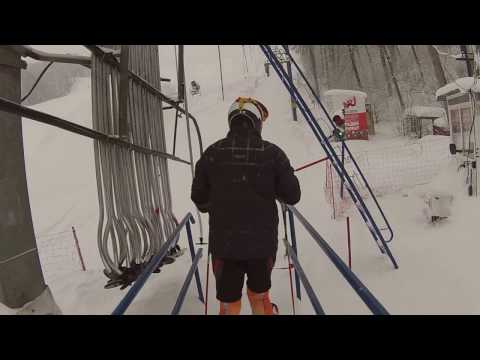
[(368, 55), (314, 70), (437, 66), (394, 79), (385, 70), (354, 65), (417, 61)]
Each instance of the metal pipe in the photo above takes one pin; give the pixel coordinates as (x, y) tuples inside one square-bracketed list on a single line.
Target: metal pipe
[(221, 74), (186, 284), (154, 264), (137, 78), (192, 254), (362, 291), (306, 284), (181, 67), (311, 164), (294, 245), (14, 108), (28, 51), (321, 137)]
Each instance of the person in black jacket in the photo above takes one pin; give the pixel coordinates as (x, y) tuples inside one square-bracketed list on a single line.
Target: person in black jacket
[(237, 181)]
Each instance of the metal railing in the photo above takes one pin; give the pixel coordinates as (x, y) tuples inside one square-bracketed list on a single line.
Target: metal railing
[(330, 152), (26, 112), (362, 291), (157, 261), (300, 276)]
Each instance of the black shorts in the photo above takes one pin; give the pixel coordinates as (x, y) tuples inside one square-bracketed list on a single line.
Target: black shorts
[(230, 276)]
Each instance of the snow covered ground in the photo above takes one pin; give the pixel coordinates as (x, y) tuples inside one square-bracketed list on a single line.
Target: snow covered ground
[(438, 263)]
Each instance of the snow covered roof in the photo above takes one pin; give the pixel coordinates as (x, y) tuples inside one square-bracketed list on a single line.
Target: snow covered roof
[(461, 85), (337, 92), (425, 111)]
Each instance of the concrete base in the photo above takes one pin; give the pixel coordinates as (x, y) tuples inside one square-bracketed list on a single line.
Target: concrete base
[(43, 305)]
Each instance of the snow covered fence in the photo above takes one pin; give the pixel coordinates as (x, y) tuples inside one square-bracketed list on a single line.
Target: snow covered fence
[(58, 254), (388, 170)]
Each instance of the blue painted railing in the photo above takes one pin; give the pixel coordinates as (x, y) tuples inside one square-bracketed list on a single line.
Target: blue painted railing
[(186, 284), (303, 278), (330, 152), (362, 291), (155, 263), (344, 147)]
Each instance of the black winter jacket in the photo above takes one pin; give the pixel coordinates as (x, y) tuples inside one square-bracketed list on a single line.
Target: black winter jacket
[(237, 181)]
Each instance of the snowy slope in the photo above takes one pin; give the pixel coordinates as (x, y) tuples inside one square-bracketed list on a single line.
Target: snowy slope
[(437, 263)]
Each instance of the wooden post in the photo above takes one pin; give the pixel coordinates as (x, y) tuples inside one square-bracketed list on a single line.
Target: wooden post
[(78, 249)]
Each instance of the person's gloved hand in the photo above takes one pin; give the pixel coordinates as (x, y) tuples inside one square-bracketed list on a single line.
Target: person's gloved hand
[(204, 208)]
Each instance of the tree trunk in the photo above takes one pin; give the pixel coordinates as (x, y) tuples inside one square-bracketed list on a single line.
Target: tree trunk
[(368, 55), (314, 70), (390, 49), (372, 69), (437, 66), (354, 65), (395, 82), (324, 61), (385, 70), (417, 60)]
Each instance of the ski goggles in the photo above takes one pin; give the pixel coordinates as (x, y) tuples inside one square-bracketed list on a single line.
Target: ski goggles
[(246, 105)]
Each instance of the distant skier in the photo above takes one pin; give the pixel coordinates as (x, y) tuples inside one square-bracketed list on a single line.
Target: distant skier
[(338, 133), (195, 88), (237, 181)]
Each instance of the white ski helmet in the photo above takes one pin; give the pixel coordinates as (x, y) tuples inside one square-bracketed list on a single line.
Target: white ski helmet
[(249, 108)]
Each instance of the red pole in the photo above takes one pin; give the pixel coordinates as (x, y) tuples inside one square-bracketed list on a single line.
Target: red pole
[(333, 192), (326, 172), (78, 249), (311, 164), (349, 247)]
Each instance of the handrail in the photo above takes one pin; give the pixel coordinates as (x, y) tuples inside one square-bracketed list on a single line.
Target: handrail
[(14, 108), (186, 284), (293, 236), (362, 291), (306, 284), (152, 266), (324, 142), (344, 146)]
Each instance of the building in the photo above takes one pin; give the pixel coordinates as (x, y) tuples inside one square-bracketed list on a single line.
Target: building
[(461, 97), (419, 121)]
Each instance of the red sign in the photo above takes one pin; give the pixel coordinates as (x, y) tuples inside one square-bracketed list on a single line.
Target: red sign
[(356, 127), (350, 103)]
